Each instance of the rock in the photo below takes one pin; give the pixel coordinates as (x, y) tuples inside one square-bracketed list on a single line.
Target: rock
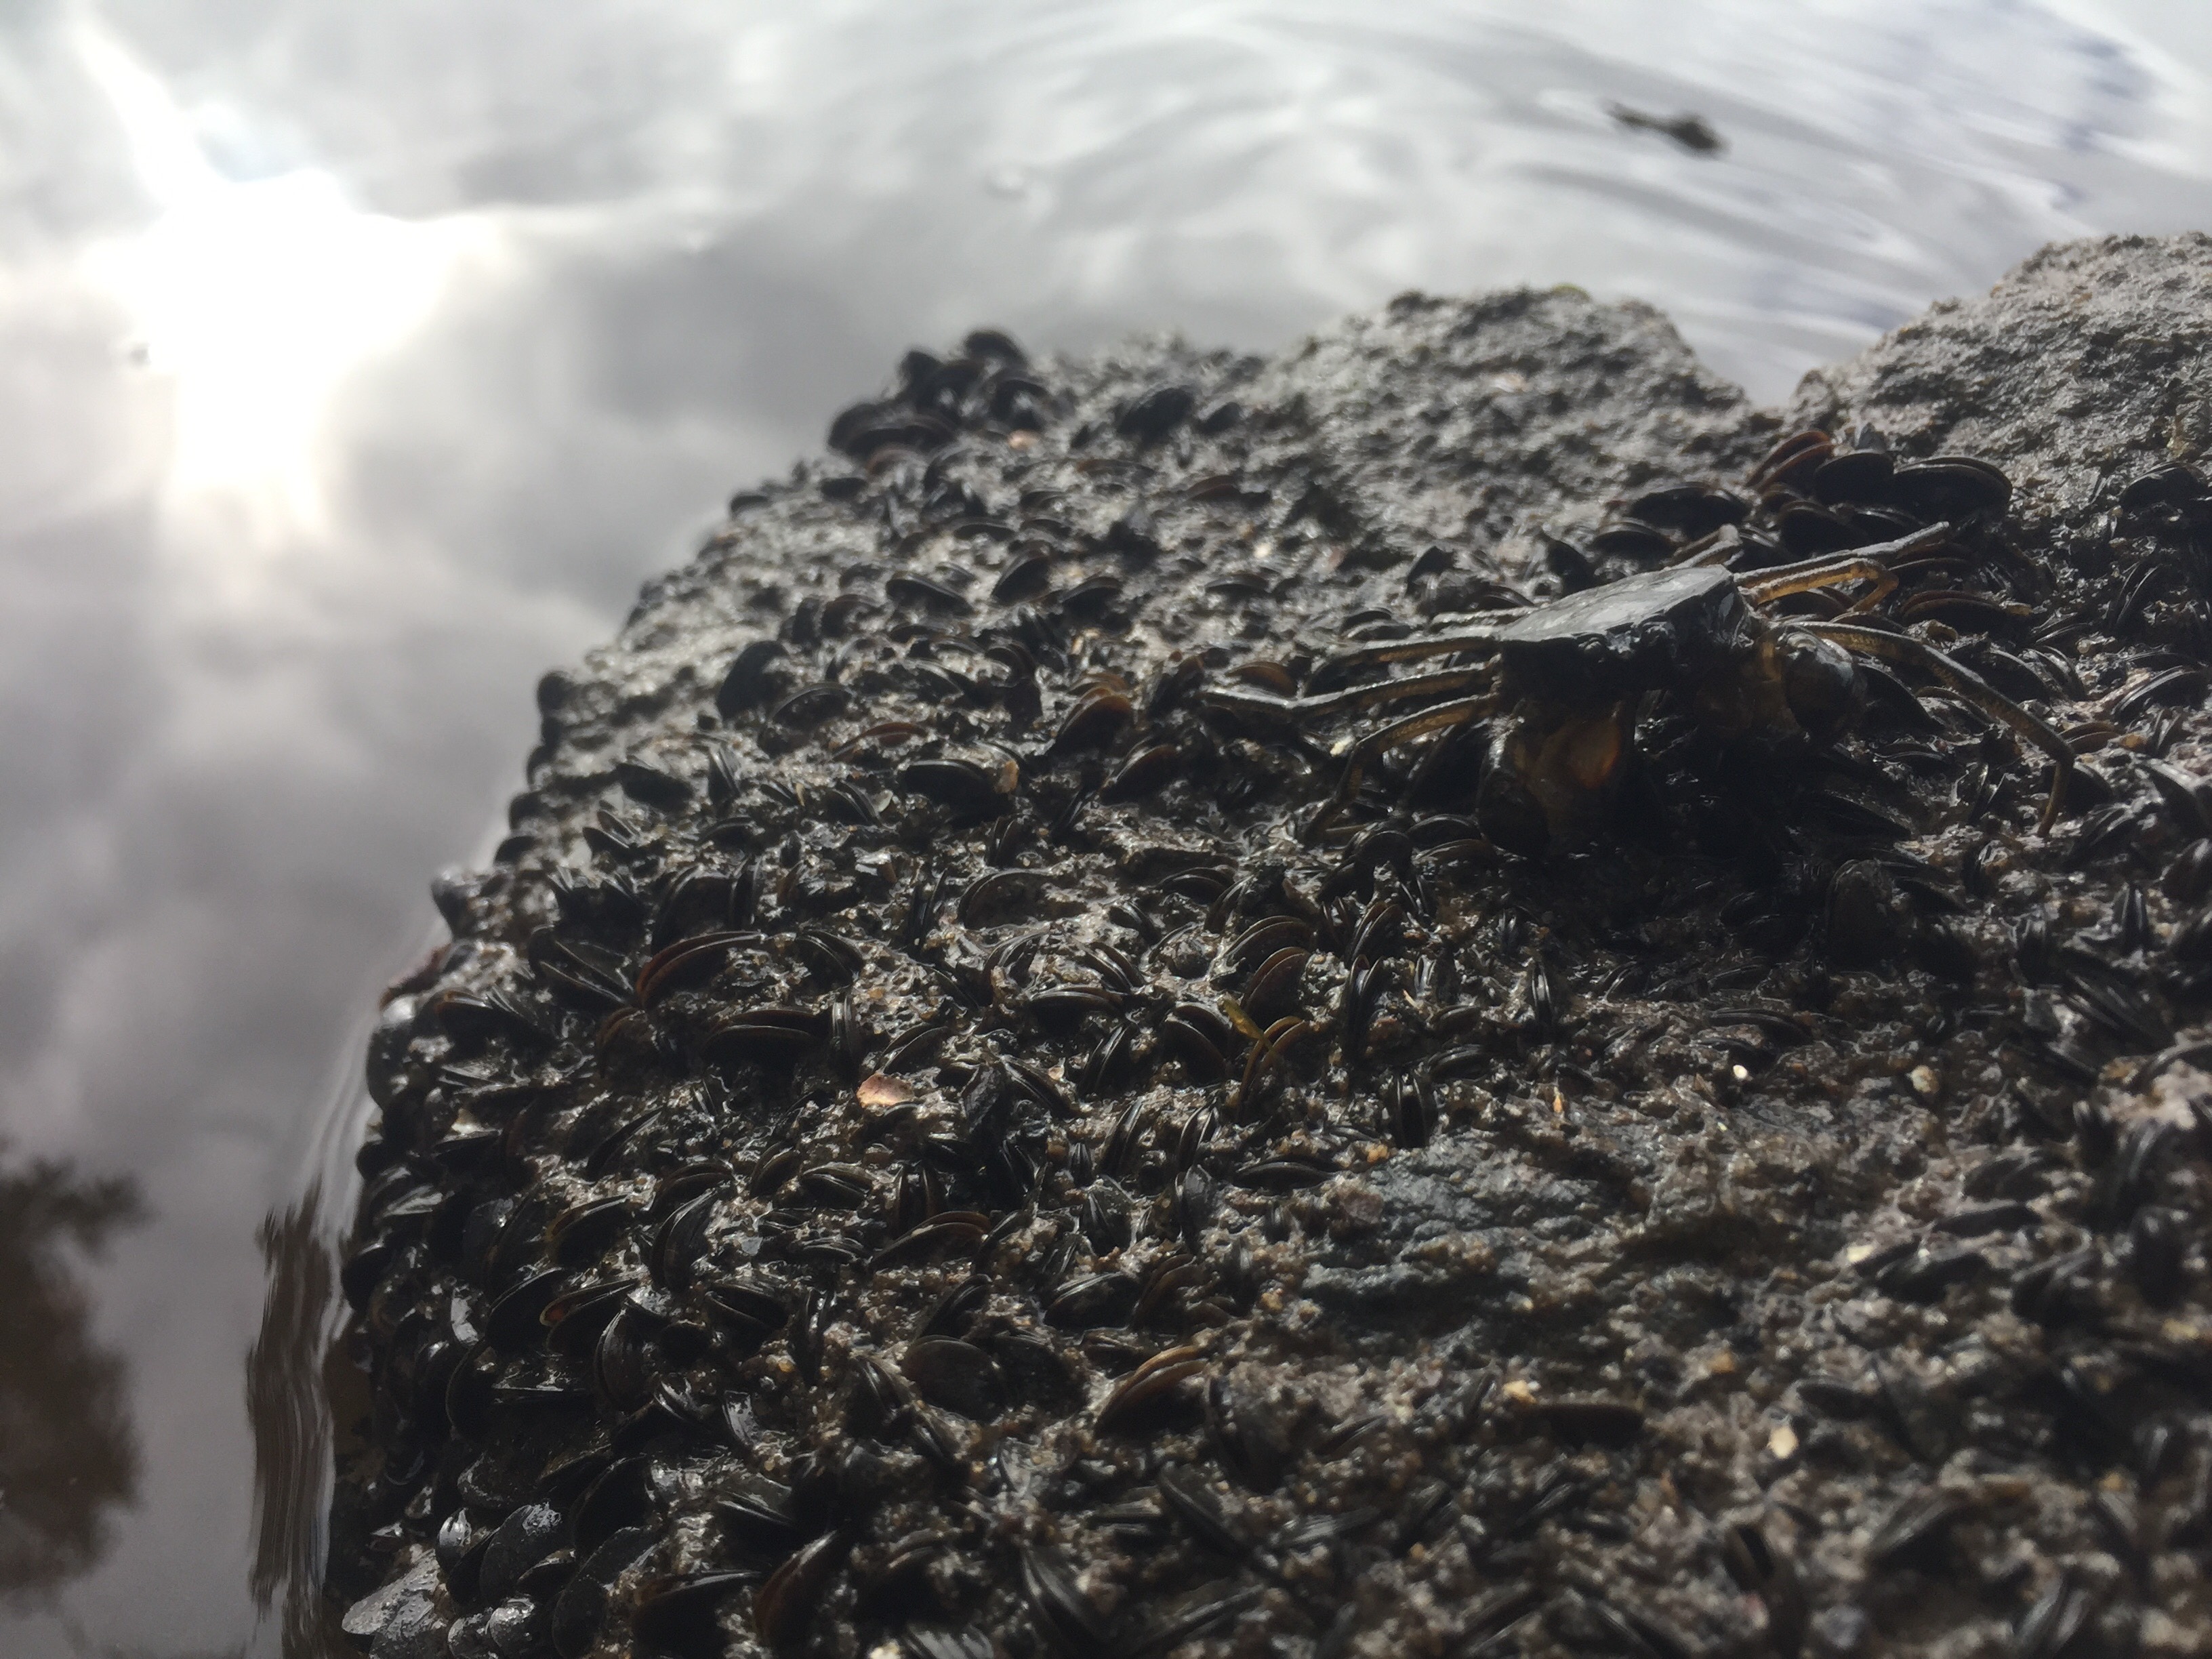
[(1031, 1115), (2088, 365)]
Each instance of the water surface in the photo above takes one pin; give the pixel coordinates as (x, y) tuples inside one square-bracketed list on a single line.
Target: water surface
[(357, 362)]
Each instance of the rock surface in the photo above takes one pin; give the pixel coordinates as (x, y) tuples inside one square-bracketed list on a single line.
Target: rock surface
[(931, 1132)]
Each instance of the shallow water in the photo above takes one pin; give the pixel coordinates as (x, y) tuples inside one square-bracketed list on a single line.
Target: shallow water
[(359, 363)]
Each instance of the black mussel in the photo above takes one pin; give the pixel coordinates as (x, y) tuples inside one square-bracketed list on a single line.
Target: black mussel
[(1196, 1197), (948, 1315), (1918, 1531), (1950, 487), (621, 1367), (762, 1519), (776, 1037), (1155, 413), (810, 705), (965, 787), (1064, 1615), (1144, 773), (955, 1232), (649, 786), (753, 679), (956, 1375), (515, 1546), (514, 1322), (907, 589), (785, 1606), (1642, 543), (1027, 574), (1035, 1371), (995, 345), (1693, 510), (1106, 1298), (582, 1235), (2051, 1624), (752, 1308), (1105, 1214), (1189, 1033), (2173, 485), (620, 1498), (580, 1608), (1186, 1495), (1853, 476), (681, 1617), (1149, 1389), (679, 1240)]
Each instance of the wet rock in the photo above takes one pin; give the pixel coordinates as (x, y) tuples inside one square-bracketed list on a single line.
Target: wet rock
[(1036, 1102)]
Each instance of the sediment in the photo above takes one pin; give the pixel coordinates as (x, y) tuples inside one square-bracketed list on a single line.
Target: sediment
[(933, 1136)]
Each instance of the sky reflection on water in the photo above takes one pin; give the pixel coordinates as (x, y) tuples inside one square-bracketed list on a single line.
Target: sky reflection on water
[(356, 363)]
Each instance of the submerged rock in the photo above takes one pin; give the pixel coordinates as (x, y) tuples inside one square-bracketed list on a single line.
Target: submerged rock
[(948, 1124)]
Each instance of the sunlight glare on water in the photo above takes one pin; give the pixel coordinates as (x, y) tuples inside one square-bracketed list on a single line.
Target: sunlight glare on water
[(253, 298)]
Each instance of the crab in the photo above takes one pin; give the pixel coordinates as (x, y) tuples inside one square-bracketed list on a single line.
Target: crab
[(1568, 676)]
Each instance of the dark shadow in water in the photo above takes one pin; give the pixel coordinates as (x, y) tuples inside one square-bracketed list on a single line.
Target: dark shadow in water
[(286, 1404), (68, 1457)]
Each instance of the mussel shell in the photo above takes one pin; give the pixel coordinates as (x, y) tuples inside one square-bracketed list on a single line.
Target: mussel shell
[(810, 705), (580, 1608), (1144, 773), (1951, 487), (759, 1038), (1690, 510), (750, 1304), (1627, 540), (1154, 413), (1853, 476), (1034, 1370), (1106, 1298), (679, 1239), (680, 1616), (1063, 1613), (953, 1231), (1201, 1058), (956, 1375), (961, 787), (785, 1606), (649, 786), (513, 1325), (1272, 990), (1807, 530), (516, 1544), (621, 1369), (581, 1236), (762, 1519)]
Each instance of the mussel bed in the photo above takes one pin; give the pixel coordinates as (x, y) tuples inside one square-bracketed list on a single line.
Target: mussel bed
[(912, 1150)]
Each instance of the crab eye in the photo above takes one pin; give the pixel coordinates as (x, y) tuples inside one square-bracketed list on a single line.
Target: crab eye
[(1821, 683)]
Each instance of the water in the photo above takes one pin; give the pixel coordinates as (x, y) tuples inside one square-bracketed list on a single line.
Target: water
[(356, 363)]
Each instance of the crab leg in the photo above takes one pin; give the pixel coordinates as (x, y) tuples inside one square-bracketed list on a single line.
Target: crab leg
[(1259, 705), (1861, 564), (1441, 719), (1442, 645), (1966, 684)]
